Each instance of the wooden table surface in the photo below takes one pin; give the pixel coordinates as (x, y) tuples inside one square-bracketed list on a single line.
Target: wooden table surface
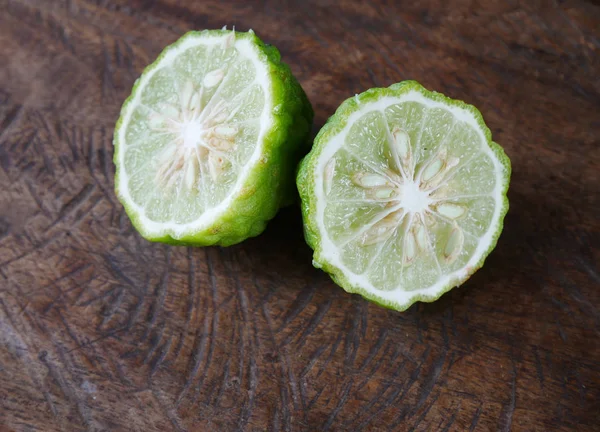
[(103, 331)]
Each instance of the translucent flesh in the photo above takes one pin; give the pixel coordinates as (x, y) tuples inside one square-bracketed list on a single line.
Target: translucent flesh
[(174, 189), (423, 245)]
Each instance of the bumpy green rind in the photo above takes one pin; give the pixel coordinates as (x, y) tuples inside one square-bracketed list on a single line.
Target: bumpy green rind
[(270, 183), (306, 186)]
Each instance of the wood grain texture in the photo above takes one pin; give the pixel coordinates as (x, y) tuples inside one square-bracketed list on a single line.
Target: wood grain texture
[(103, 331)]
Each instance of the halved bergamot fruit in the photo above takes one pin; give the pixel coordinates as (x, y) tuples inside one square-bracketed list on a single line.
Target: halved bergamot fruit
[(207, 143), (403, 194)]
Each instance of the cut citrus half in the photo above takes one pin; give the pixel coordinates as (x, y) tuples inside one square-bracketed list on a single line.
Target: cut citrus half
[(403, 194), (207, 143)]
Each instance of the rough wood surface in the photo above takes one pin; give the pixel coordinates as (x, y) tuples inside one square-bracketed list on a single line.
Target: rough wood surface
[(103, 331)]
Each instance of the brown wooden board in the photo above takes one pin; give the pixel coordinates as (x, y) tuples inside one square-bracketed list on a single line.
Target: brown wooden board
[(103, 331)]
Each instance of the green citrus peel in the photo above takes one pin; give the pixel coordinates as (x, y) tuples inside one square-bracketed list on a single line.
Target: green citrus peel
[(403, 194), (207, 143)]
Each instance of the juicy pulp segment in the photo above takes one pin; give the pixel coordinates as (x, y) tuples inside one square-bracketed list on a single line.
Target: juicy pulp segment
[(408, 195)]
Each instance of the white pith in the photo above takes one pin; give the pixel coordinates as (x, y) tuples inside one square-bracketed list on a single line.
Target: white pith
[(246, 50), (414, 200), (411, 199)]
